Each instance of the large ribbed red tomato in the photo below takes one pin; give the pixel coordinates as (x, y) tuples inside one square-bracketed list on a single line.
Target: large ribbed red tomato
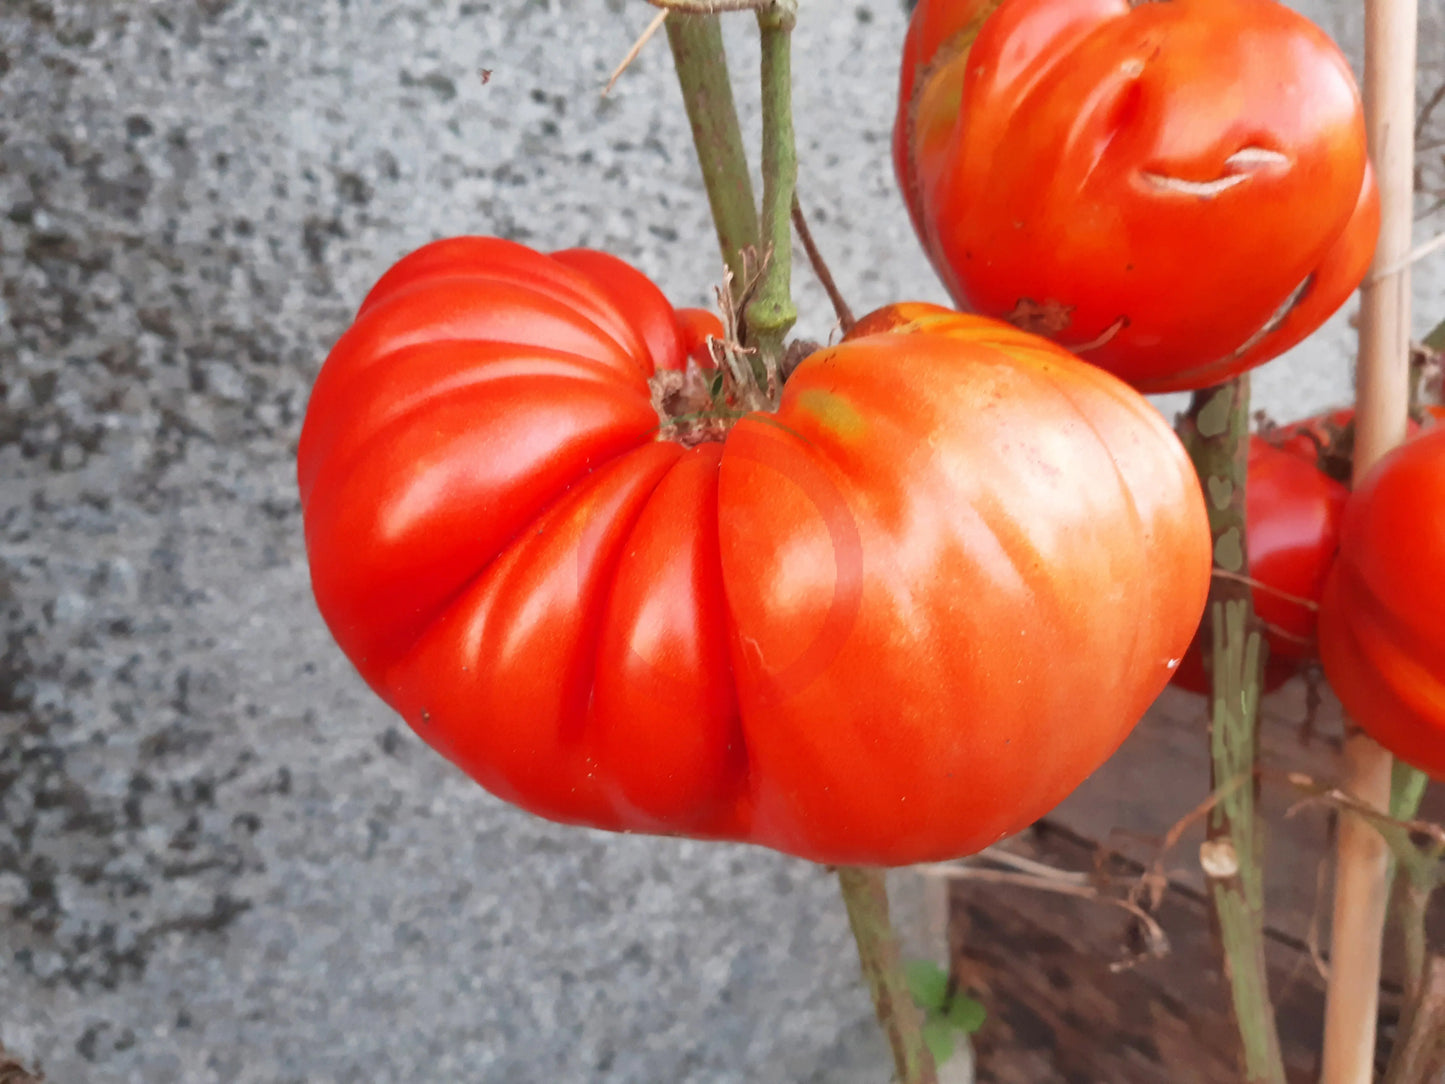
[(1382, 617), (893, 620), (1175, 191)]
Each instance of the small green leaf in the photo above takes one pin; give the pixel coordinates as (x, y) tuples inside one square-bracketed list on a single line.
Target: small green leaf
[(938, 1037), (966, 1014), (927, 982)]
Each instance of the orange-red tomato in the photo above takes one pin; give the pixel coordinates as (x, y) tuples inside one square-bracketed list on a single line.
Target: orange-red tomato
[(1382, 617), (896, 619), (1175, 191)]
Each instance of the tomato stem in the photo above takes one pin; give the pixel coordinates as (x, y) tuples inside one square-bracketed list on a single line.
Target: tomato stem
[(1425, 373), (1422, 875), (846, 319), (707, 94), (1435, 338), (1407, 790), (865, 893), (771, 313), (1215, 430), (1419, 1055)]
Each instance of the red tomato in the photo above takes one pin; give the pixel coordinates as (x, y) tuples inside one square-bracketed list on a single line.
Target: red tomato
[(1382, 617), (672, 336), (1175, 191), (895, 620), (1294, 506), (698, 326), (1292, 516)]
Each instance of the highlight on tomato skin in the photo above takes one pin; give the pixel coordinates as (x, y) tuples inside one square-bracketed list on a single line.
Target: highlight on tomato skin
[(1176, 192), (895, 619), (1382, 617)]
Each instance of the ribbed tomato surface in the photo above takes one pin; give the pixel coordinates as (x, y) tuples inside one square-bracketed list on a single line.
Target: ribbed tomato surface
[(896, 619)]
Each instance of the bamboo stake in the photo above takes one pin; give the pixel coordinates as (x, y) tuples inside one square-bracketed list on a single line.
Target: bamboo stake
[(1382, 381)]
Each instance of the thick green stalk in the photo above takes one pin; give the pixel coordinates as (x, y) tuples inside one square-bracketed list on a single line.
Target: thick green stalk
[(1216, 432), (1435, 337), (771, 313), (702, 71), (1407, 789), (866, 895), (707, 93), (1413, 901)]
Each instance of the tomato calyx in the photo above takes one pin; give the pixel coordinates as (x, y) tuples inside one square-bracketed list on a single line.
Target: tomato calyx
[(1046, 318), (724, 381), (1331, 435), (688, 407), (1427, 381), (701, 403), (1333, 438), (1051, 318)]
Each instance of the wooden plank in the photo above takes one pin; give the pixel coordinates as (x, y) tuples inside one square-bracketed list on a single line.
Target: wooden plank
[(1045, 964), (1045, 967)]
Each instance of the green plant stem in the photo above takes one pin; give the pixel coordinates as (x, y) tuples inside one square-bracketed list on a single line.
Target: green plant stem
[(1419, 1054), (707, 94), (1418, 1051), (771, 314), (697, 50), (1413, 901), (1216, 432), (865, 893), (1435, 337), (1407, 788)]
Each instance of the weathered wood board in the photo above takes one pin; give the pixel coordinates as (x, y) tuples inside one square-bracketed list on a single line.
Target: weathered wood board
[(1046, 965)]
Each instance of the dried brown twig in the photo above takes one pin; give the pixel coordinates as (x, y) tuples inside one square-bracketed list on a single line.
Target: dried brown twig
[(1317, 793), (1257, 585), (1154, 881), (637, 47), (712, 7), (1028, 873), (12, 1072), (820, 268)]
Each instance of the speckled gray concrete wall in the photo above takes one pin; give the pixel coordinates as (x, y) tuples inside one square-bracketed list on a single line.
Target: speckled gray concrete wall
[(220, 858)]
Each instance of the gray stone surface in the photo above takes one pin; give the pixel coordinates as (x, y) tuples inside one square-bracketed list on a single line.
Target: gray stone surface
[(220, 858)]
